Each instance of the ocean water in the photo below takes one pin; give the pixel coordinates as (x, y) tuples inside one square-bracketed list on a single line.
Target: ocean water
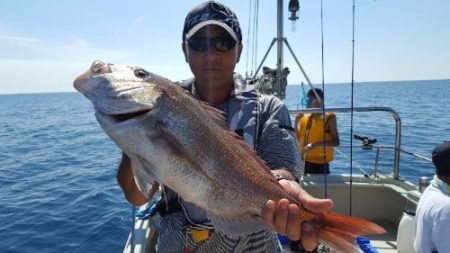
[(58, 189)]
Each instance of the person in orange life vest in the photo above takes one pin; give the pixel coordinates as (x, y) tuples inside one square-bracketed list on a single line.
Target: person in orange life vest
[(312, 137)]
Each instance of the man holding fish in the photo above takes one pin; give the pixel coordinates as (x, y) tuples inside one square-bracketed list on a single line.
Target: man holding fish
[(212, 47), (223, 191)]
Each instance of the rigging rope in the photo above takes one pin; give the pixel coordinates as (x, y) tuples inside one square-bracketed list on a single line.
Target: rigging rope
[(351, 106), (252, 35), (248, 36), (255, 35), (323, 104), (132, 236)]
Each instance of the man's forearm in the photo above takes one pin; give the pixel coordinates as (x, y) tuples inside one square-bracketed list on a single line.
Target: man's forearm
[(125, 178)]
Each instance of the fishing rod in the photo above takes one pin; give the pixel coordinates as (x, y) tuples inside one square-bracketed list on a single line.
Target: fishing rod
[(352, 106), (323, 104)]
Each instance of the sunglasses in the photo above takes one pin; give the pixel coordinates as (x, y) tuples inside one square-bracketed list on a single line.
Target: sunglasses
[(221, 44)]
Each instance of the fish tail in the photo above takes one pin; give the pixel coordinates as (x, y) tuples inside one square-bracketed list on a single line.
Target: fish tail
[(340, 231)]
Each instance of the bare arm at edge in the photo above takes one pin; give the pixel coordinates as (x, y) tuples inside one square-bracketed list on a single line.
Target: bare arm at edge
[(125, 178)]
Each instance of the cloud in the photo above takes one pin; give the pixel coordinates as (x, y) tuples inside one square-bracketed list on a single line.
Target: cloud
[(139, 21), (17, 47), (29, 64), (18, 39), (72, 49), (28, 76), (31, 76)]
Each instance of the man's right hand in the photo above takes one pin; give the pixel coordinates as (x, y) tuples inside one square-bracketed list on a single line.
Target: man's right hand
[(125, 178)]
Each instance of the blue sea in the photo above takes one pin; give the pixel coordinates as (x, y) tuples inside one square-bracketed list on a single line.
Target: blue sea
[(58, 190)]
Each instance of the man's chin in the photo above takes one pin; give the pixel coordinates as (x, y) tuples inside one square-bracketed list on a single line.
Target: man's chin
[(214, 79)]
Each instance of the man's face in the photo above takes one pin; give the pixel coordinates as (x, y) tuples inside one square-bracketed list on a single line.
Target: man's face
[(314, 102), (212, 55)]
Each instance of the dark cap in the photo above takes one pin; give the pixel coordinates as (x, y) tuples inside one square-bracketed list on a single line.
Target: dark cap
[(441, 158), (211, 13)]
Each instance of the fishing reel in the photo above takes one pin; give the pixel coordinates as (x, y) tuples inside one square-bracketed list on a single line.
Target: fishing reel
[(366, 141)]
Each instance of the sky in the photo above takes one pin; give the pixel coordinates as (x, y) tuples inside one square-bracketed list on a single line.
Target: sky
[(45, 44)]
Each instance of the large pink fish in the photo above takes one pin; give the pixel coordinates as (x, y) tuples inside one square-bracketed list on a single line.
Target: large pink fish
[(178, 141)]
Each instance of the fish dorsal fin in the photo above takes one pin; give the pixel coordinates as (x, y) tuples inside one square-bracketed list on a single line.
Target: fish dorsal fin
[(217, 115), (219, 118), (252, 153)]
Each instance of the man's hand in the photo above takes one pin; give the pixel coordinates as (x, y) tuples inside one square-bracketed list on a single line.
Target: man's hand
[(125, 178), (284, 217), (308, 147)]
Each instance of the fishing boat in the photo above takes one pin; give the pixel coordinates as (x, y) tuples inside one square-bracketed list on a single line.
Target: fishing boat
[(383, 197)]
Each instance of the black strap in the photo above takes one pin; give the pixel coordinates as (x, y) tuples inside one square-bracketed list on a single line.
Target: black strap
[(167, 207)]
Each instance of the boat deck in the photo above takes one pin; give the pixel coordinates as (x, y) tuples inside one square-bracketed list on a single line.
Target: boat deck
[(386, 243), (383, 201), (145, 238)]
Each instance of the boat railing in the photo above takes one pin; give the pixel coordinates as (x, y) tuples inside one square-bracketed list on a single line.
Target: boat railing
[(369, 144), (395, 115), (378, 149)]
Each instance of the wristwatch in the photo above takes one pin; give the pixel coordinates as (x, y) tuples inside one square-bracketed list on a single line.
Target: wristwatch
[(280, 176)]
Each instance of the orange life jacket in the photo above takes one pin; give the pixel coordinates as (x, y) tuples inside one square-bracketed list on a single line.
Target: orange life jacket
[(310, 129)]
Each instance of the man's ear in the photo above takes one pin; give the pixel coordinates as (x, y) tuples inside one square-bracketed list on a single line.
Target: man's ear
[(183, 47), (238, 52)]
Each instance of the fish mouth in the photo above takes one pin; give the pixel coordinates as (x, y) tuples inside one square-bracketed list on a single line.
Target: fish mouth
[(127, 116)]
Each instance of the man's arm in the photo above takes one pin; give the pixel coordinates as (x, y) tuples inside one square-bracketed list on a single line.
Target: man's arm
[(283, 173), (440, 233), (278, 147), (277, 144), (298, 118), (331, 127), (125, 178)]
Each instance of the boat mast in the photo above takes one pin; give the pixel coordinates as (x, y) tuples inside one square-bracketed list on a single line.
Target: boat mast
[(279, 39), (279, 86)]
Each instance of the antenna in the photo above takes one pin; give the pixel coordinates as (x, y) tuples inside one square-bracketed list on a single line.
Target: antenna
[(281, 81), (293, 7)]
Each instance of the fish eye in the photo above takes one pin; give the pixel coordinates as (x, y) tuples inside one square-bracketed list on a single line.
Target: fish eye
[(141, 73)]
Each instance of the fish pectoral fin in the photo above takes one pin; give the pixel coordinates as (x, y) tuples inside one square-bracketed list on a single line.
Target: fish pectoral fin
[(145, 175), (239, 226), (166, 139)]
